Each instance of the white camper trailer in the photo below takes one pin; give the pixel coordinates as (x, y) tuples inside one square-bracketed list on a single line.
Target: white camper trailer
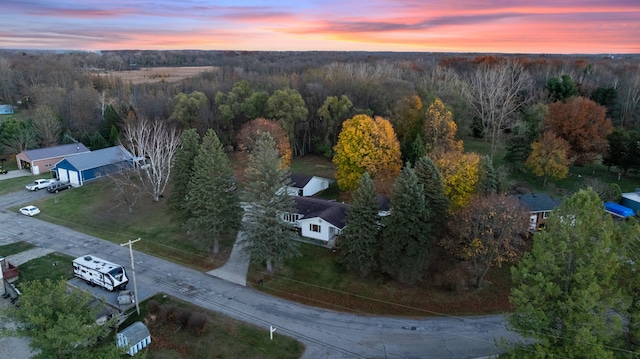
[(96, 271)]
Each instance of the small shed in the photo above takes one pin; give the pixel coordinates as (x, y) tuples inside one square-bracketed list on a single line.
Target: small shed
[(40, 160), (92, 165), (306, 185), (632, 200), (135, 337)]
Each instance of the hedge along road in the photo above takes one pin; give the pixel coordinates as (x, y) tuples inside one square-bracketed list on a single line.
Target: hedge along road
[(325, 333)]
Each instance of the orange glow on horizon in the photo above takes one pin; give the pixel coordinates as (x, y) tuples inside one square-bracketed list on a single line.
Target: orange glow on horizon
[(378, 25)]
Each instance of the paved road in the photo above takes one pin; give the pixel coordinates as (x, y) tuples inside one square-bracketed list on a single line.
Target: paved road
[(325, 333)]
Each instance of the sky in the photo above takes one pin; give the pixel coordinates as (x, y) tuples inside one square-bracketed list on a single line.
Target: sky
[(498, 26)]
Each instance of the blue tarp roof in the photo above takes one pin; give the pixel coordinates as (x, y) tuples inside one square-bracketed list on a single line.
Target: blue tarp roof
[(618, 210)]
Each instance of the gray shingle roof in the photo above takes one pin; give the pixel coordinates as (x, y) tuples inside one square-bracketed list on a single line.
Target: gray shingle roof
[(135, 332), (538, 202), (57, 151), (99, 158), (299, 180), (332, 212)]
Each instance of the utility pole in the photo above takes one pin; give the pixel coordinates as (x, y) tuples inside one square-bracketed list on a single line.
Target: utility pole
[(133, 272)]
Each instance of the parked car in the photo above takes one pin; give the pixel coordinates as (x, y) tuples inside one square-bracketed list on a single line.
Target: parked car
[(39, 184), (58, 186), (30, 211), (3, 171)]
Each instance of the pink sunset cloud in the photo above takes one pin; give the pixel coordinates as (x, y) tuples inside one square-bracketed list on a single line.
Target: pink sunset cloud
[(544, 26)]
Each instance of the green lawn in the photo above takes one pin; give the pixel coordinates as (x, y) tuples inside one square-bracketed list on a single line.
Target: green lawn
[(93, 209), (317, 279), (15, 184), (14, 248), (53, 266)]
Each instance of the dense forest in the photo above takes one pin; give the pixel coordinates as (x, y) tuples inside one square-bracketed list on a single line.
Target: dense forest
[(79, 95)]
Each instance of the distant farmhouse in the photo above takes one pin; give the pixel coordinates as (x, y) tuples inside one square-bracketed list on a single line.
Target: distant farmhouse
[(41, 160)]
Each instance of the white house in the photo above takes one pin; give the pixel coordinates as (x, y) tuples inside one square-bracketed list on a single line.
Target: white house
[(319, 219), (305, 185)]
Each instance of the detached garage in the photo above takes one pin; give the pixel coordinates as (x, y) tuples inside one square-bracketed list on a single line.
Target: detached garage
[(89, 166), (42, 160)]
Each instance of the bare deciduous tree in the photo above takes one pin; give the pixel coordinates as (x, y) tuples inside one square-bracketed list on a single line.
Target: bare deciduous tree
[(495, 94), (46, 125), (153, 145), (127, 188)]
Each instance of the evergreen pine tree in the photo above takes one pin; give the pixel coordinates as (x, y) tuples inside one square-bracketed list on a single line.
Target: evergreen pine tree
[(406, 238), (114, 136), (564, 290), (182, 172), (518, 149), (211, 198), (435, 199), (487, 181), (358, 242), (98, 142), (267, 235)]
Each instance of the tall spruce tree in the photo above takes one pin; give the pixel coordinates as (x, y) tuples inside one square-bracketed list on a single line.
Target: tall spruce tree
[(182, 173), (487, 181), (435, 200), (405, 243), (358, 242), (564, 292), (630, 282), (268, 237), (211, 196)]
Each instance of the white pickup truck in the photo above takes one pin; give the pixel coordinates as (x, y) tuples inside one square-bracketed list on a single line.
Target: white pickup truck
[(39, 184)]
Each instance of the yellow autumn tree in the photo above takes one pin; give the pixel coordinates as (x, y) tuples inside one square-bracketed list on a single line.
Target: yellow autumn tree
[(549, 157), (367, 145), (460, 174), (440, 130)]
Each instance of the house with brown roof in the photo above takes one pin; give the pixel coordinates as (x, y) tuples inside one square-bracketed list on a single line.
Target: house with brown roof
[(42, 160)]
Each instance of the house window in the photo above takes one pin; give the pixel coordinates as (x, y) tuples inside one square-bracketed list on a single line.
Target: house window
[(290, 217), (544, 215), (48, 165), (314, 228)]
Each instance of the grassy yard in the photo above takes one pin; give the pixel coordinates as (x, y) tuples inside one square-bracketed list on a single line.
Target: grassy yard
[(15, 184), (172, 337), (53, 266), (13, 248), (92, 209), (317, 279)]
